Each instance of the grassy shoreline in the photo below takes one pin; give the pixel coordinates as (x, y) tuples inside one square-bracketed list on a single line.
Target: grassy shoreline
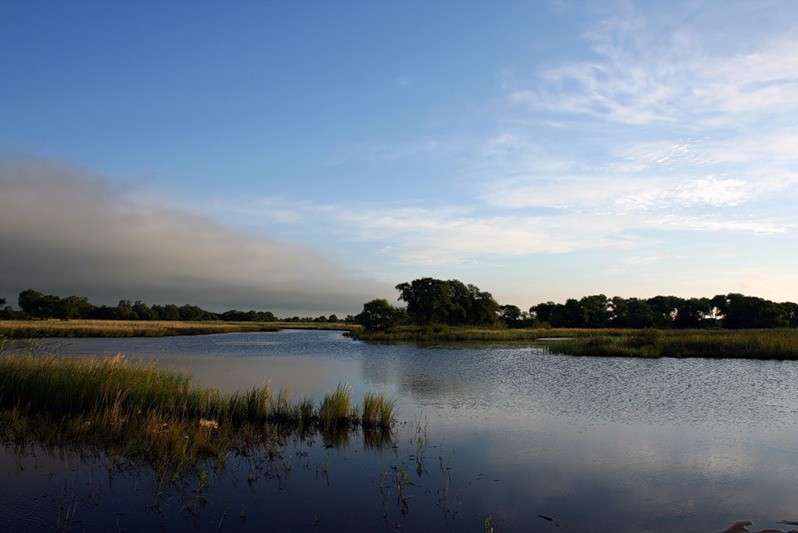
[(139, 412), (781, 344), (714, 343), (25, 329)]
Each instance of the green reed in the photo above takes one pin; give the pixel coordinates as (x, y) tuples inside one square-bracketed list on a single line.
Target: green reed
[(378, 411), (336, 409), (138, 411)]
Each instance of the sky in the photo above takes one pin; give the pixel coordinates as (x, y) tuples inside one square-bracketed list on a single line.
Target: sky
[(306, 157)]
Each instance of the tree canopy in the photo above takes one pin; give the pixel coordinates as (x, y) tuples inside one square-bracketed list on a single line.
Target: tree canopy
[(732, 311), (452, 303), (379, 314)]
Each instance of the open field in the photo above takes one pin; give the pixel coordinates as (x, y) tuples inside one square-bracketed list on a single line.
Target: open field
[(23, 329), (716, 343), (133, 411)]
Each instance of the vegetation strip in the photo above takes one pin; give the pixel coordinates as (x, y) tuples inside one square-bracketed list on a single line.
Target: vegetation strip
[(137, 411), (32, 329), (616, 342)]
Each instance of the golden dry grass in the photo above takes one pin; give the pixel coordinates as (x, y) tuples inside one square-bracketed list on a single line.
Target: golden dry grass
[(25, 329), (119, 328)]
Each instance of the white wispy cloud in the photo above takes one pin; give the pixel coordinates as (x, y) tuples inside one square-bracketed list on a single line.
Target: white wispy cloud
[(642, 75), (659, 131)]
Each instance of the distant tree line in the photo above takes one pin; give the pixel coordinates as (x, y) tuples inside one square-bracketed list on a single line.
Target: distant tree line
[(433, 301), (730, 311), (35, 305)]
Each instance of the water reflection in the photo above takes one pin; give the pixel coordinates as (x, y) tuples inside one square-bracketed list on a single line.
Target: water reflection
[(597, 444)]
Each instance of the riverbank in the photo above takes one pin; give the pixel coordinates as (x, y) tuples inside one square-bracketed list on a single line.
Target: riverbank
[(651, 343), (28, 329)]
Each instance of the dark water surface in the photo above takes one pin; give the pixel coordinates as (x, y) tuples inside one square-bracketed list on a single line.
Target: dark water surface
[(536, 442)]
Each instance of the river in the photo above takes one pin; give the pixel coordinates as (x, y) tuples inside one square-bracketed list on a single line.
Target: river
[(524, 439)]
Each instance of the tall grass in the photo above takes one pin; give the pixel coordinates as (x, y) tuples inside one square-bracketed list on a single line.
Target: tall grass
[(439, 334), (610, 342), (749, 344), (139, 411), (25, 329), (378, 411), (336, 409)]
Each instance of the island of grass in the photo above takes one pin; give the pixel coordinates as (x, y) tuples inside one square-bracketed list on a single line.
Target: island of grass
[(610, 342)]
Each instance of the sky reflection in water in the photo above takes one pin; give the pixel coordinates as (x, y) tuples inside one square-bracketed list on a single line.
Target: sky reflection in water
[(598, 444)]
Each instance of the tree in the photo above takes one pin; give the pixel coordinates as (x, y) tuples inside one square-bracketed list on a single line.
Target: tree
[(631, 313), (790, 313), (124, 311), (38, 305), (378, 314), (435, 301), (664, 310), (573, 315), (6, 311), (481, 307), (510, 315), (740, 311), (143, 311), (167, 312), (595, 310), (193, 313), (428, 301), (543, 311), (693, 313), (74, 307), (424, 298)]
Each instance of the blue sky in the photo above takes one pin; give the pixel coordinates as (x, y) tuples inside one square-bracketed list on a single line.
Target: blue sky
[(305, 157)]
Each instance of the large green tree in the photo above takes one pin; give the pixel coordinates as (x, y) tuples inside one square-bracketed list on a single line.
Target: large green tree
[(694, 313), (38, 305), (595, 310), (631, 313), (435, 301), (74, 307), (740, 311)]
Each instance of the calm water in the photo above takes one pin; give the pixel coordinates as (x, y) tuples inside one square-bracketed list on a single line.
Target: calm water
[(537, 442)]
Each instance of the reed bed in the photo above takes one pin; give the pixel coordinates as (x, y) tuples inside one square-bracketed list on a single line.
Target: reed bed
[(137, 411), (749, 344), (609, 342), (438, 334)]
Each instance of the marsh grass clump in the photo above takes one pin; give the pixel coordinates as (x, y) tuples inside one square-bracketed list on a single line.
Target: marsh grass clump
[(136, 411), (378, 411), (336, 409)]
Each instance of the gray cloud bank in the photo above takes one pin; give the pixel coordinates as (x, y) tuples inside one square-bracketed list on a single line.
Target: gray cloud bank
[(66, 231)]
